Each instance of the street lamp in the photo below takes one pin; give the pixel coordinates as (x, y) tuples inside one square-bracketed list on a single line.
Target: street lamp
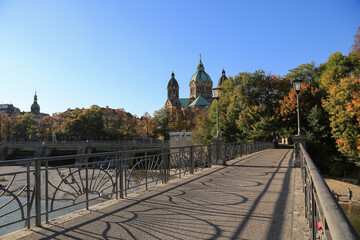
[(297, 87), (217, 93), (218, 139)]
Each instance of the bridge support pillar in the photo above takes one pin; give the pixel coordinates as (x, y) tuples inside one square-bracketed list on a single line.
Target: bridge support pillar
[(297, 140)]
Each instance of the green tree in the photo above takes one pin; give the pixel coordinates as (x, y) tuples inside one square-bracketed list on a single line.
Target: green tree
[(248, 98), (24, 128), (87, 124), (161, 123), (202, 130), (337, 67), (305, 72)]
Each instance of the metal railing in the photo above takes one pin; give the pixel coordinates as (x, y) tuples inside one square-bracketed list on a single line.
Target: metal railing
[(91, 142), (325, 217), (35, 190)]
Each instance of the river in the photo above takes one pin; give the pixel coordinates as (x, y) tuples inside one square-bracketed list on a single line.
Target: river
[(353, 213), (15, 216)]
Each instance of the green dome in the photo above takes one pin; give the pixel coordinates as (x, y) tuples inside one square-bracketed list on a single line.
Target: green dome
[(200, 74)]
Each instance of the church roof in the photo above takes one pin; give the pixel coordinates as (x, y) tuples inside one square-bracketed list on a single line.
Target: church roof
[(184, 102), (199, 101), (172, 81), (200, 74), (222, 78)]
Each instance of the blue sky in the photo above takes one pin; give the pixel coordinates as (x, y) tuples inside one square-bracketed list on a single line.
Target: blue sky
[(121, 53)]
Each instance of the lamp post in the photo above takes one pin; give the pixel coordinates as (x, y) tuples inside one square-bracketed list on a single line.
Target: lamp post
[(298, 139), (218, 139), (297, 87), (217, 93)]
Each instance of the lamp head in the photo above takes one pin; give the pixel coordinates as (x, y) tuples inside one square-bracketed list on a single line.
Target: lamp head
[(217, 92), (297, 85)]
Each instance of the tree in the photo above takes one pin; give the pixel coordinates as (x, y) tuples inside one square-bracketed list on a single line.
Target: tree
[(161, 123), (337, 67), (144, 126), (287, 112), (355, 48), (202, 130), (247, 98), (24, 128), (87, 124), (343, 105), (61, 126), (305, 72), (46, 127), (6, 124)]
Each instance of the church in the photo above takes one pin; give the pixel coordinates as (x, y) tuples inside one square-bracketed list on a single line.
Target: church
[(201, 87)]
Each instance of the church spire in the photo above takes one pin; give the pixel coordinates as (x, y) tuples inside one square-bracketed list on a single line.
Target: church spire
[(200, 67)]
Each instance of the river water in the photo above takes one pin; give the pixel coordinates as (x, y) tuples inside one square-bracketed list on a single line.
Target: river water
[(16, 215), (353, 214)]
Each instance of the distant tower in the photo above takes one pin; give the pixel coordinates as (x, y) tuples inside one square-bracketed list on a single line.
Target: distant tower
[(173, 93), (35, 108), (201, 84), (222, 78)]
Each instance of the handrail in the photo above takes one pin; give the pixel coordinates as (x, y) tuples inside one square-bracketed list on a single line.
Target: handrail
[(333, 221), (45, 185)]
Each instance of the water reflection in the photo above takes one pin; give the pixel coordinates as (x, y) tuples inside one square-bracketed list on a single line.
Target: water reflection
[(353, 213)]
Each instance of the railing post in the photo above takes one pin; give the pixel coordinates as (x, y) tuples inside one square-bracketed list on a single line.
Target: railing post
[(87, 185), (28, 205), (164, 170), (146, 172), (209, 155), (47, 190), (37, 192), (121, 176), (191, 160)]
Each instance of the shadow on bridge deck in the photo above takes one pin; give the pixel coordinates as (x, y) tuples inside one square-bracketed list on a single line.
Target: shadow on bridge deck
[(252, 198)]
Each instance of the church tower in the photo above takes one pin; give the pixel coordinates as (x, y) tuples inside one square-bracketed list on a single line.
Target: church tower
[(201, 84), (173, 93), (222, 78), (35, 108)]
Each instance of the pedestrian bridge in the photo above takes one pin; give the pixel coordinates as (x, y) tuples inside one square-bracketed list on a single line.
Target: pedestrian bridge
[(255, 196)]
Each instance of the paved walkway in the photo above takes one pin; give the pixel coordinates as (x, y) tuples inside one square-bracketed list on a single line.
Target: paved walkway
[(252, 198)]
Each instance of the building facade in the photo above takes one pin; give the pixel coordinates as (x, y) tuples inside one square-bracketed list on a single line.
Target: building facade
[(201, 87)]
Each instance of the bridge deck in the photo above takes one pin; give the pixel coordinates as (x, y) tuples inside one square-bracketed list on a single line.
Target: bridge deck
[(256, 197)]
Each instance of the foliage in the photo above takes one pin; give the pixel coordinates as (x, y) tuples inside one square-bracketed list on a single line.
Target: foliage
[(202, 130), (337, 67), (6, 123), (305, 72), (161, 123), (343, 105), (247, 106), (46, 127), (88, 124), (309, 97), (24, 128), (356, 45)]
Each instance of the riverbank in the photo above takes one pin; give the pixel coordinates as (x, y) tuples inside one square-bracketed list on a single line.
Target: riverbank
[(341, 189)]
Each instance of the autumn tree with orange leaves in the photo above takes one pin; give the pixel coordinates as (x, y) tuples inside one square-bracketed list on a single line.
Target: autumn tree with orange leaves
[(343, 105)]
